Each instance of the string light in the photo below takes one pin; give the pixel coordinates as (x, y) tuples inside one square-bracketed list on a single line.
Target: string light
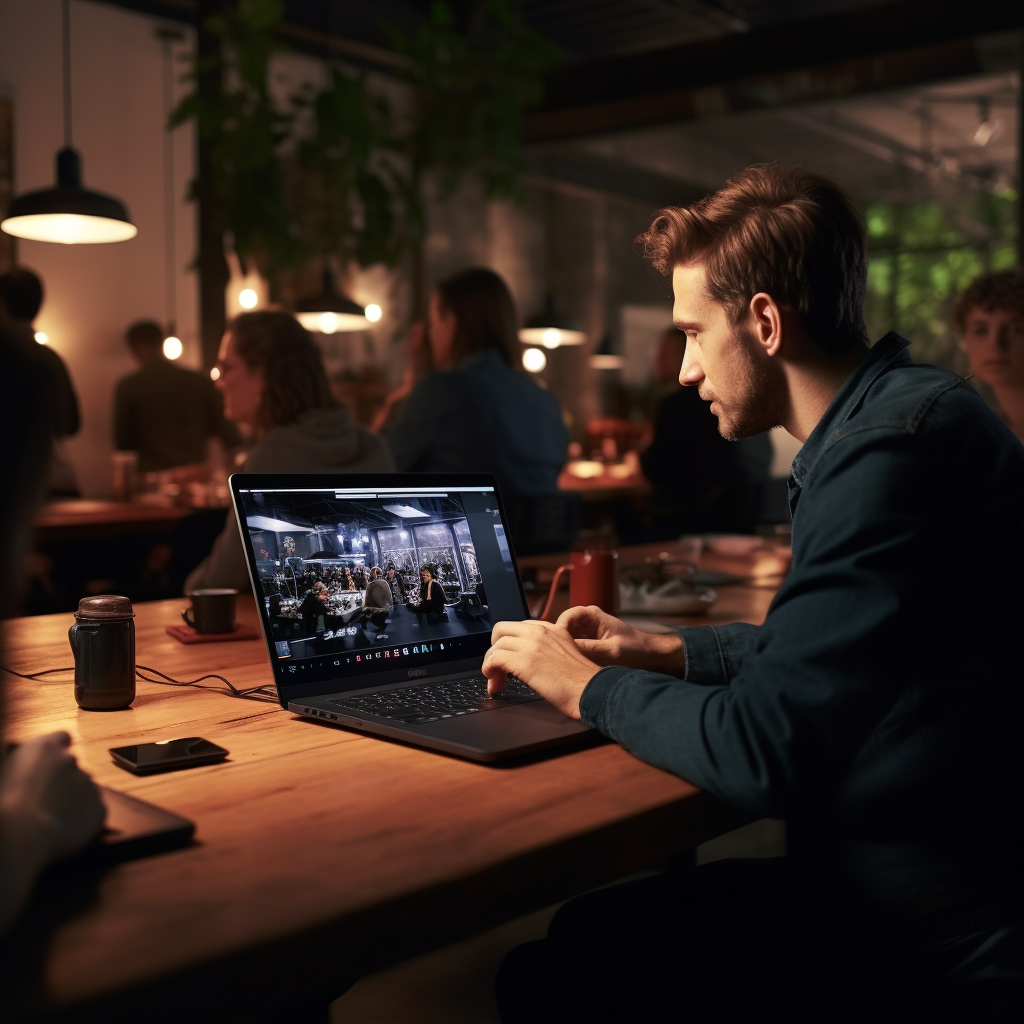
[(534, 360), (373, 312), (215, 373), (247, 298), (173, 347), (42, 337)]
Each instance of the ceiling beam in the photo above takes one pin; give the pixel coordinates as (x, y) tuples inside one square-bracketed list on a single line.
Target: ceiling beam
[(883, 46)]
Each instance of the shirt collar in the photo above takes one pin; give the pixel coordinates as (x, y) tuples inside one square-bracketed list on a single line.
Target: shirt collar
[(890, 351)]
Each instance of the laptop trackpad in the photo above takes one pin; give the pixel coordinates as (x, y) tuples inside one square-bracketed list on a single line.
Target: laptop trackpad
[(542, 711)]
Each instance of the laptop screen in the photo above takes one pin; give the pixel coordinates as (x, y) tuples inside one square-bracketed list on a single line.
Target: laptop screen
[(360, 585)]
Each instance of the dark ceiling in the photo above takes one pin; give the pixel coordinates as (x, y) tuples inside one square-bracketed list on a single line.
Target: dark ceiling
[(582, 29)]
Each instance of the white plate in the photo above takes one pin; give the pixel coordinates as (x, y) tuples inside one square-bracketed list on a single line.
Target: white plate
[(672, 598)]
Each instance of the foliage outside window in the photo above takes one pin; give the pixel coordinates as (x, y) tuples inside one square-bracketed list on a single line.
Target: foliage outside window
[(922, 256)]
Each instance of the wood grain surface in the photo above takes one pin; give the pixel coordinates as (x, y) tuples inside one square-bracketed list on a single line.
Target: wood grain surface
[(320, 853)]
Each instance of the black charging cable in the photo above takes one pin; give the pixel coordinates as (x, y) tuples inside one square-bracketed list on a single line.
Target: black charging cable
[(267, 693)]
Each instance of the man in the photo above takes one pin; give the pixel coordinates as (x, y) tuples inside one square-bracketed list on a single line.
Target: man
[(720, 489), (21, 298), (878, 707), (165, 412), (49, 808), (989, 317)]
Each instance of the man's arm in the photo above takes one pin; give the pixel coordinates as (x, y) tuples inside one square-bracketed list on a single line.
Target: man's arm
[(815, 680)]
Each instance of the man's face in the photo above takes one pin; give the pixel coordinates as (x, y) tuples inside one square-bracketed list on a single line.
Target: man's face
[(724, 360), (995, 346)]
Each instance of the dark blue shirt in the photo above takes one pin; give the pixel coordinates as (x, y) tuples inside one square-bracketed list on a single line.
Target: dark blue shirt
[(482, 416), (878, 708)]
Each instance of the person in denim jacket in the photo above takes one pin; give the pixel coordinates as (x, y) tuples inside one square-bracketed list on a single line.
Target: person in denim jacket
[(877, 709)]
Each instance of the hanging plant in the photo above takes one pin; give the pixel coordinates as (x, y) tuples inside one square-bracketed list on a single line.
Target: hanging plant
[(335, 173)]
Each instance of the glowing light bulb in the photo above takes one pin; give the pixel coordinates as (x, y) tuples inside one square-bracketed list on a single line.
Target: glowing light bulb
[(373, 312), (42, 337), (328, 323), (534, 360), (551, 338), (215, 373), (247, 298), (173, 347)]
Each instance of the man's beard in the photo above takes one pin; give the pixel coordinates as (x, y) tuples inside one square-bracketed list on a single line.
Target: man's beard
[(757, 407)]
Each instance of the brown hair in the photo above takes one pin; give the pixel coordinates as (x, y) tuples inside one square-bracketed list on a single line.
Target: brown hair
[(1001, 290), (293, 370), (789, 233), (484, 311)]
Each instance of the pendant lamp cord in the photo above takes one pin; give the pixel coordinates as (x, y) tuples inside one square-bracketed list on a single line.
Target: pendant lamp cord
[(170, 254), (66, 17)]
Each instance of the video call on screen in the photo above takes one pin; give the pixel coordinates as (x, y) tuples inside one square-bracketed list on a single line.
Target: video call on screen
[(359, 582)]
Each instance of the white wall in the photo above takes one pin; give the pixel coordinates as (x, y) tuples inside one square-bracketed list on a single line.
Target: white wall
[(93, 292)]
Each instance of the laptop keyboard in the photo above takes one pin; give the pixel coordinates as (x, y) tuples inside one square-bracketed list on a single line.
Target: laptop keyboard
[(431, 702)]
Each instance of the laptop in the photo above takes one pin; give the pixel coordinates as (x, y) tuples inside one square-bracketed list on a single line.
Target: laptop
[(377, 595)]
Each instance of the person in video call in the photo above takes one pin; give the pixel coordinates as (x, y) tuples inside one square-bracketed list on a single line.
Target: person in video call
[(274, 386), (431, 595), (475, 412), (391, 577), (883, 728), (377, 601), (989, 317)]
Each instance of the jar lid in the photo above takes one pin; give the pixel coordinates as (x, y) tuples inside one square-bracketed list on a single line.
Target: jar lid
[(106, 607)]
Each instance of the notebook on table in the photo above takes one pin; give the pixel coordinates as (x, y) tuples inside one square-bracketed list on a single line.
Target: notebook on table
[(377, 595)]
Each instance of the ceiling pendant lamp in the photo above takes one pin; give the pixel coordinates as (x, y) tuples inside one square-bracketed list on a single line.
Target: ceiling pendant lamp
[(68, 212), (552, 327), (331, 312)]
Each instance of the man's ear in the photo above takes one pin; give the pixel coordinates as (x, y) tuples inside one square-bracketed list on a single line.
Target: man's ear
[(767, 320)]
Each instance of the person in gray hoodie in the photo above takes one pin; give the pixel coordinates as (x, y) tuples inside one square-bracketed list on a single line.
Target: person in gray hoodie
[(275, 388)]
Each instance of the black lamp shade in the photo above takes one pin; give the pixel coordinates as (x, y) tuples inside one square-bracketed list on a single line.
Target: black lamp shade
[(330, 311), (67, 212), (552, 327)]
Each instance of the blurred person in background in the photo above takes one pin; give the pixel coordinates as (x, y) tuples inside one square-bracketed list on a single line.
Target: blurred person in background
[(275, 388), (474, 412), (989, 317), (163, 411), (21, 298), (700, 480), (49, 808)]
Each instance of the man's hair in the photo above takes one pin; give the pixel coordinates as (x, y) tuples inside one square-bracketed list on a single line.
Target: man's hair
[(1002, 290), (789, 233), (293, 369), (22, 293), (484, 311), (145, 334)]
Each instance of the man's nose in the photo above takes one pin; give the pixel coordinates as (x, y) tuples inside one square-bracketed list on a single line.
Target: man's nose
[(690, 372)]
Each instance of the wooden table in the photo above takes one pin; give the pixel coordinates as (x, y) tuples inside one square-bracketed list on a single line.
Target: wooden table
[(319, 852), (86, 519)]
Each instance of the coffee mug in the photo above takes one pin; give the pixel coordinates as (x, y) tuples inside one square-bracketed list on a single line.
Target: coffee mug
[(593, 579), (212, 611)]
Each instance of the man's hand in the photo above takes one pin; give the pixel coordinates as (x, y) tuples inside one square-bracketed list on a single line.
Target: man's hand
[(606, 640), (544, 656), (47, 800), (49, 808)]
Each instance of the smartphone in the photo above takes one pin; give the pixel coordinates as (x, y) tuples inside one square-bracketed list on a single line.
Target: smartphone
[(142, 758)]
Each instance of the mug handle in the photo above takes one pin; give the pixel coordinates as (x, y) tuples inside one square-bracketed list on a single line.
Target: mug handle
[(188, 622), (551, 593)]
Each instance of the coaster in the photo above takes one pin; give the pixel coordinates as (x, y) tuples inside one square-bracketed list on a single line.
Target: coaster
[(187, 635)]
